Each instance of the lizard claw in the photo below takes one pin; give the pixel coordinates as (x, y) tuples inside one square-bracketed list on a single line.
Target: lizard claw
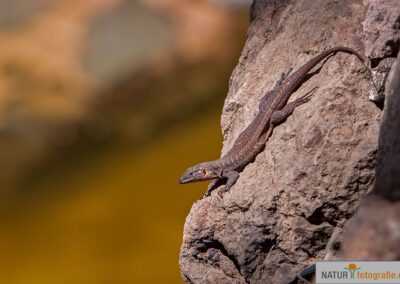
[(284, 76), (305, 98), (222, 191), (213, 185), (210, 188)]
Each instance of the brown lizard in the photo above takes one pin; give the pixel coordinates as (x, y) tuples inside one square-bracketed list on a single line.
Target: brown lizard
[(273, 109)]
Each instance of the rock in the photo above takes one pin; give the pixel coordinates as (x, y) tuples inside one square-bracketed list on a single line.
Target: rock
[(377, 236), (372, 236), (293, 201), (381, 28), (381, 37)]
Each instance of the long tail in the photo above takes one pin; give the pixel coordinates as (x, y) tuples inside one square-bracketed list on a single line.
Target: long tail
[(314, 61)]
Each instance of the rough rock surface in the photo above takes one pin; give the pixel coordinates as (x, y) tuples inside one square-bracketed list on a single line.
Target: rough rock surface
[(377, 236), (381, 29), (299, 192)]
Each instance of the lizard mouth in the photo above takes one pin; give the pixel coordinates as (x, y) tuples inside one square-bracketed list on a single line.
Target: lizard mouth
[(184, 180)]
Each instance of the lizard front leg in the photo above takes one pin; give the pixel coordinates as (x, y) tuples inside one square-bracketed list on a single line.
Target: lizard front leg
[(232, 177), (213, 185)]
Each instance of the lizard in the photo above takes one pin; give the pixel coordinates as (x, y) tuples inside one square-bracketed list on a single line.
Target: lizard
[(273, 109)]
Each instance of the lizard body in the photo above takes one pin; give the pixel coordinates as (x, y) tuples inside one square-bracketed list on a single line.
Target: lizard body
[(273, 108)]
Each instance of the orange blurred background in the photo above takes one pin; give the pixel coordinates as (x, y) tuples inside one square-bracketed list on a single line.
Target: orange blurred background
[(103, 105)]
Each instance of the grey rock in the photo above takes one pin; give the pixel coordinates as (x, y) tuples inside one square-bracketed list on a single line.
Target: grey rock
[(377, 236), (381, 28), (289, 206)]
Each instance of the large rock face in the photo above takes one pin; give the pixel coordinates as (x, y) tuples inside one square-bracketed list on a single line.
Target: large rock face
[(377, 236), (295, 198)]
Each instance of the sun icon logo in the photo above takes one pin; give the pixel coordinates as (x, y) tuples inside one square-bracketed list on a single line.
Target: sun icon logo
[(352, 268)]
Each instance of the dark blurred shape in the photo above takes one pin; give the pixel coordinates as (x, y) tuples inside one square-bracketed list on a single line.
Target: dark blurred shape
[(387, 182), (374, 232)]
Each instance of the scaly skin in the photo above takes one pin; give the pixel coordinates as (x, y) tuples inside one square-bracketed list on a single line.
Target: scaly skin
[(273, 108)]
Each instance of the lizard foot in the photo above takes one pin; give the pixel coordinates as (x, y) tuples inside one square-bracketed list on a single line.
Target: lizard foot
[(305, 98), (232, 177), (222, 191), (213, 185), (284, 76)]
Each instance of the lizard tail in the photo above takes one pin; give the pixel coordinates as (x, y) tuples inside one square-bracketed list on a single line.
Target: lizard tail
[(325, 53)]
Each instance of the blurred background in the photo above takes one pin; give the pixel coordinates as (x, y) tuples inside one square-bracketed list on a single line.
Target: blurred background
[(103, 105)]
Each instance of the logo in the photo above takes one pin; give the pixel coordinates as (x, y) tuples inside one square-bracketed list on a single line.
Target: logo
[(352, 268), (362, 272)]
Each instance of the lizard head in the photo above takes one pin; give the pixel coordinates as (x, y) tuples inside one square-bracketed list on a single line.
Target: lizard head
[(199, 172)]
